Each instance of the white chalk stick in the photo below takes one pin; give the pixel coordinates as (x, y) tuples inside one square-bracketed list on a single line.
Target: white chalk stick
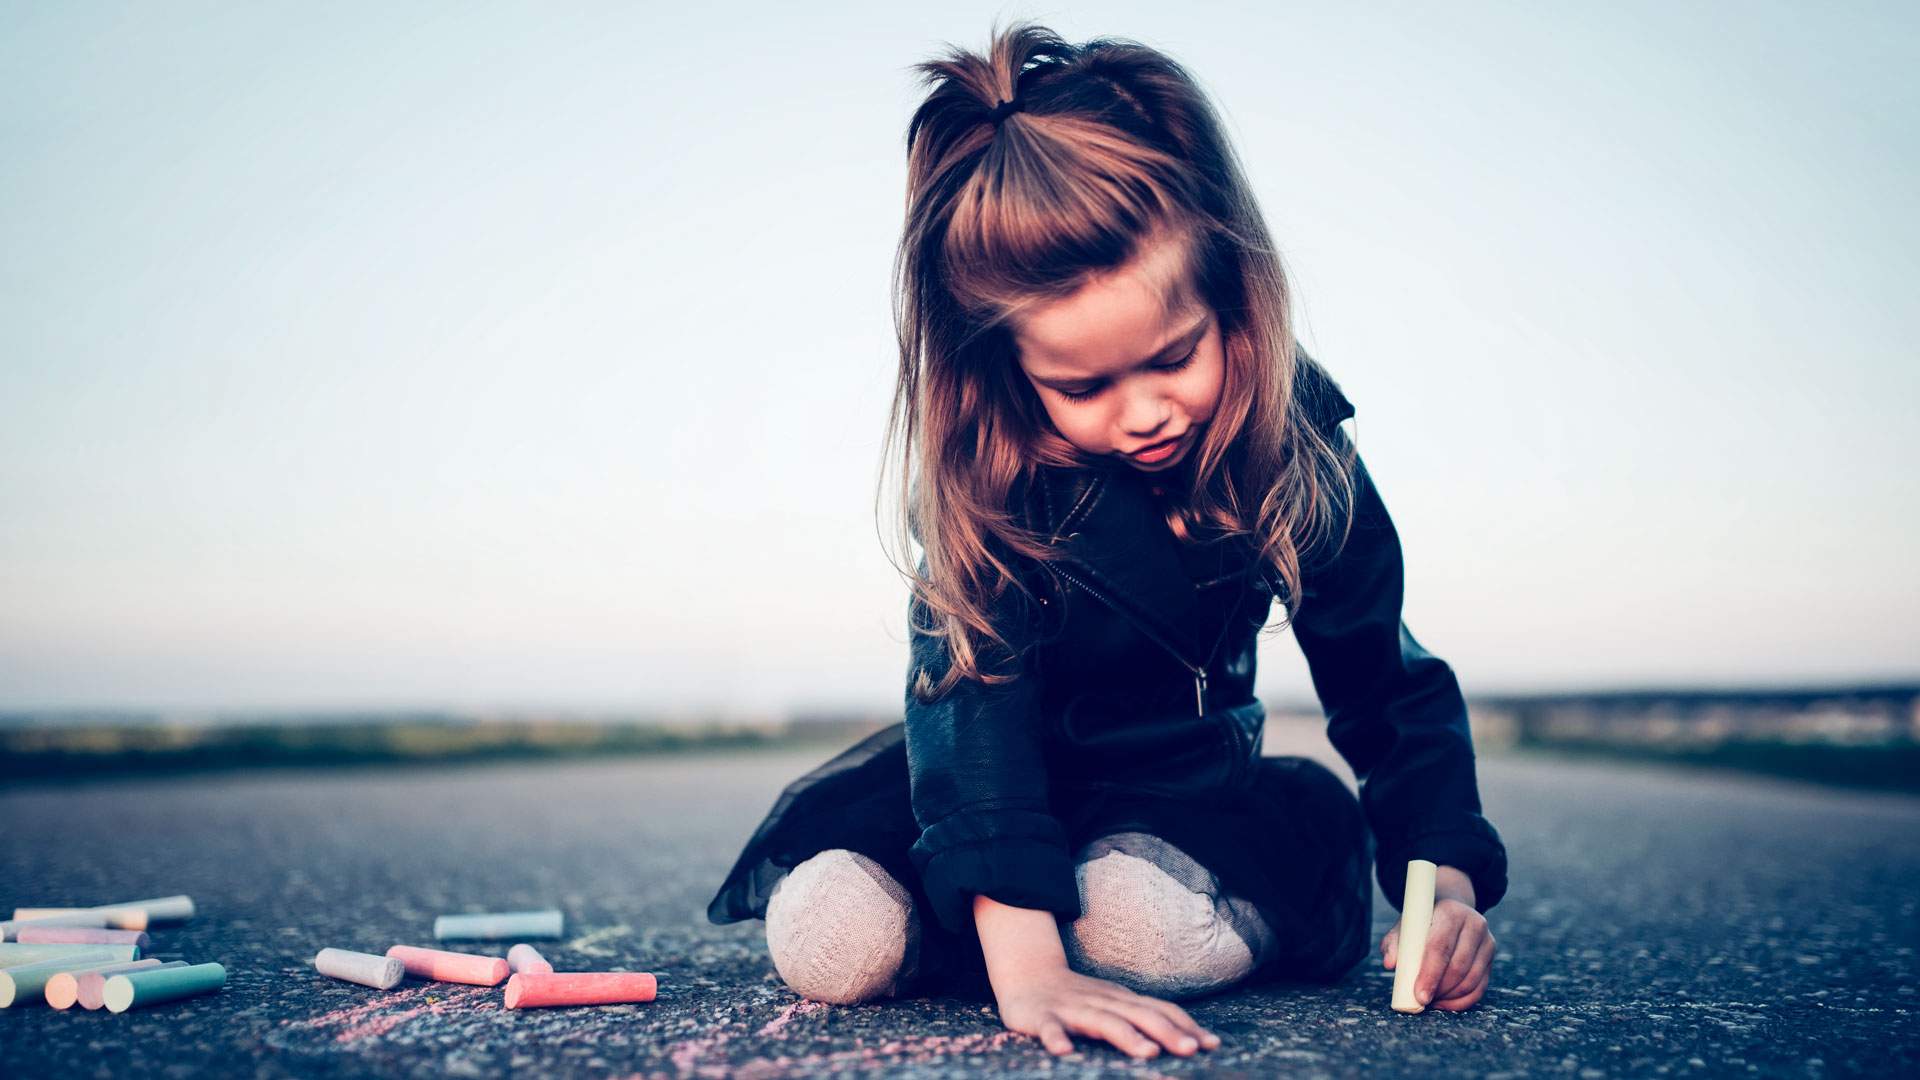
[(496, 925), (142, 914), (93, 985), (63, 989), (379, 972), (1416, 917)]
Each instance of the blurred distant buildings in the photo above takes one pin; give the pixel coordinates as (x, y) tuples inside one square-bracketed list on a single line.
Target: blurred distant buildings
[(1871, 716), (1861, 735)]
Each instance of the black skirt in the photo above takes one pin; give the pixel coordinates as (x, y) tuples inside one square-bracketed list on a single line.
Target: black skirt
[(1291, 840)]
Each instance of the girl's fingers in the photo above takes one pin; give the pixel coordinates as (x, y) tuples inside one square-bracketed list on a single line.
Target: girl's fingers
[(1117, 1030), (1120, 999), (1474, 986), (1184, 1022), (1440, 948), (1162, 1027), (1054, 1037), (1465, 951), (1390, 947)]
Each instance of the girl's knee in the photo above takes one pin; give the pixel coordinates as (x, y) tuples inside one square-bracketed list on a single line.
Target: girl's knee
[(1157, 922), (841, 929)]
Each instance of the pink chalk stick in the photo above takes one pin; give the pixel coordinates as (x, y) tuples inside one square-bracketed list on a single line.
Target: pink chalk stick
[(579, 988), (525, 959), (450, 966), (79, 935)]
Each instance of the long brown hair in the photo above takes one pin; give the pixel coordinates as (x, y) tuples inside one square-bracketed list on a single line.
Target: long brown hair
[(1112, 142)]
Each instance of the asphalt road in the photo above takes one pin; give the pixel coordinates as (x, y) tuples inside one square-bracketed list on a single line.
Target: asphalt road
[(1660, 923)]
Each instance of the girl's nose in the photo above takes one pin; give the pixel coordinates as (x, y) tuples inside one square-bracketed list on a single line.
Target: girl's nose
[(1144, 412)]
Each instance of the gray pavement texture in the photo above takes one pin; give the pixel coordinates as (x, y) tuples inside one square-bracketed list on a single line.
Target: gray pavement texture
[(1661, 922)]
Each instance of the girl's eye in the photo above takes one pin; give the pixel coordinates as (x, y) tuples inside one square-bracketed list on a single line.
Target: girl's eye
[(1180, 363), (1091, 391)]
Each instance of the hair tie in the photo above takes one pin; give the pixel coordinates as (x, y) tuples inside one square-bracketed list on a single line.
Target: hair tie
[(1003, 110)]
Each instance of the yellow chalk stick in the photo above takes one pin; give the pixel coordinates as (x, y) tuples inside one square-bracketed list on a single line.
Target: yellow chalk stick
[(133, 915), (49, 917), (1416, 917)]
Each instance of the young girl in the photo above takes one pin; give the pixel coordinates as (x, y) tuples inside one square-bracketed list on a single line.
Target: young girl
[(1115, 458)]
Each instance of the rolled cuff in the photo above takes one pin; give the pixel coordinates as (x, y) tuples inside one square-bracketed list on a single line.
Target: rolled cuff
[(1465, 841), (1018, 857)]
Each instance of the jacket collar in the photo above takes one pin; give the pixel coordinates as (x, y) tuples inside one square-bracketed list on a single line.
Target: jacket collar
[(1106, 522)]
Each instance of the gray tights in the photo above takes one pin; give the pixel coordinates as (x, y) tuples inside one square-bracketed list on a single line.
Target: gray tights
[(842, 930)]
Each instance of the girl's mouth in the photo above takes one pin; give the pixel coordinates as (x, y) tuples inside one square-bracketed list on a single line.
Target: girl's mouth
[(1158, 452)]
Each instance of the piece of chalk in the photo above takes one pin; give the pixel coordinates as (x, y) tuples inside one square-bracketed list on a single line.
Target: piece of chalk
[(160, 909), (498, 925), (91, 988), (526, 960), (56, 916), (579, 988), (23, 983), (1416, 916), (48, 914), (80, 935), (132, 915), (13, 953), (24, 917), (83, 919), (138, 989), (379, 972), (64, 988), (450, 966)]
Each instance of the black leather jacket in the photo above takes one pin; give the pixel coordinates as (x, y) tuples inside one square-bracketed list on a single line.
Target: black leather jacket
[(1138, 674)]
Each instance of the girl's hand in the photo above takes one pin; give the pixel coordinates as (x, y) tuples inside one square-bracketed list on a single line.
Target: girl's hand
[(1459, 962), (1054, 1004), (1040, 996)]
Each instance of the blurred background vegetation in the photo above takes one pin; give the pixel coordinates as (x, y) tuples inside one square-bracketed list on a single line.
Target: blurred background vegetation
[(1865, 736)]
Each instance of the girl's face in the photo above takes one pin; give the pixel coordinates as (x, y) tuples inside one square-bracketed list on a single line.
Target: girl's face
[(1131, 365)]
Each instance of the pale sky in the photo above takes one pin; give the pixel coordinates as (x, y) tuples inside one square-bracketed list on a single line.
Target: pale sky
[(481, 356)]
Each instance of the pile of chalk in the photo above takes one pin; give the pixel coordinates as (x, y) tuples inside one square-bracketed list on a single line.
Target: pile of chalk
[(531, 980), (91, 957)]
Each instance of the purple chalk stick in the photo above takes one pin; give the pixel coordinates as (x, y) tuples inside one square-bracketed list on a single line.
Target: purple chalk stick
[(527, 959), (80, 935)]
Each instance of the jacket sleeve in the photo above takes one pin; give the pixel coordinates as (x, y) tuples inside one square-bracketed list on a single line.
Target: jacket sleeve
[(1394, 710), (980, 785)]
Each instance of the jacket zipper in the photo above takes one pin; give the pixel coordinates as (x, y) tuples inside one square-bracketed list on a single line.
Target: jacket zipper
[(1199, 673)]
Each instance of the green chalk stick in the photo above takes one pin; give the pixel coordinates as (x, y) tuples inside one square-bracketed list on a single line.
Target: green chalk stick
[(27, 982), (14, 953), (138, 989)]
